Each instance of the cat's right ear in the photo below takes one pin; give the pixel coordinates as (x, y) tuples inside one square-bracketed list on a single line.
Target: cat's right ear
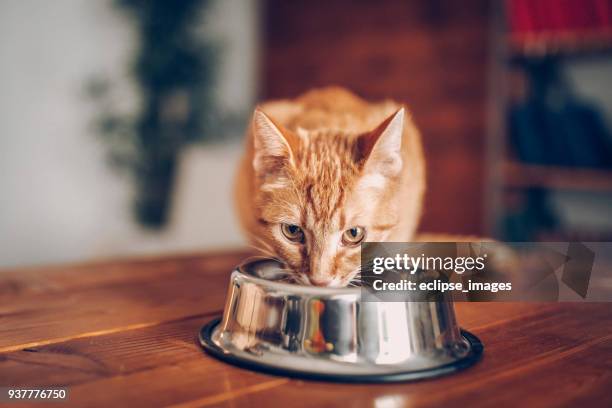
[(380, 149), (273, 145)]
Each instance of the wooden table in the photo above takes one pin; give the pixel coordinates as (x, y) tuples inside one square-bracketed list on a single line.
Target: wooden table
[(123, 333)]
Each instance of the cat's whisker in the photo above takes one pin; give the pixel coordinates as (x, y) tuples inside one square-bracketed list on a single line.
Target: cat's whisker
[(255, 258), (288, 279), (355, 279), (261, 242), (264, 251), (262, 248)]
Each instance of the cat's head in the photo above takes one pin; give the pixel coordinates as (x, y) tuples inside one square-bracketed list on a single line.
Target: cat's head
[(319, 194)]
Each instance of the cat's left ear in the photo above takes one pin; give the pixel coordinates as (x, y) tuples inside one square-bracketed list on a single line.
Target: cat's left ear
[(380, 149)]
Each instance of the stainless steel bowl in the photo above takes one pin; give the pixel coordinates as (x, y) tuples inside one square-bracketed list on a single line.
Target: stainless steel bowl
[(330, 334)]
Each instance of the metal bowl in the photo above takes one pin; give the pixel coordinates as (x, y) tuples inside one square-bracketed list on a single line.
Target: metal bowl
[(330, 334)]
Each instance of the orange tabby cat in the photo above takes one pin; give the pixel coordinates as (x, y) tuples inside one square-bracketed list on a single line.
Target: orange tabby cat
[(325, 171)]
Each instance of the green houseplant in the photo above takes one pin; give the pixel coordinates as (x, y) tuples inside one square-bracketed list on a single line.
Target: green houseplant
[(173, 70)]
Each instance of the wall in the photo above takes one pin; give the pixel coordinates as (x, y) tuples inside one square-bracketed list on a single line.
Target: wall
[(429, 54), (59, 201)]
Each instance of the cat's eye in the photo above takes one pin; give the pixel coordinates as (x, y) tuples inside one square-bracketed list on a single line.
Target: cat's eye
[(292, 232), (353, 236)]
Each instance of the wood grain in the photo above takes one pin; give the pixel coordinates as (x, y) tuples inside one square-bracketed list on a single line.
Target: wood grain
[(41, 307), (112, 334)]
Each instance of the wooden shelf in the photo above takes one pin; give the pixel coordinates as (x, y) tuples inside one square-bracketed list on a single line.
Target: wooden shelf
[(519, 175), (559, 44)]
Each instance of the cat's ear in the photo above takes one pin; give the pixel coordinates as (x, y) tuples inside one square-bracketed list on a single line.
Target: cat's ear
[(380, 149), (273, 145)]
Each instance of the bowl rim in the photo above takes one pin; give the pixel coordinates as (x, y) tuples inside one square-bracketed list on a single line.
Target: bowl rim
[(206, 341), (240, 270)]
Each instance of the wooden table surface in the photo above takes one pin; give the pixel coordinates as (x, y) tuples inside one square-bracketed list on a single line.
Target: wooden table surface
[(123, 333)]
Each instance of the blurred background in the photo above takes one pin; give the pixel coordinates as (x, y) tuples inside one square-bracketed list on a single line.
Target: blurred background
[(121, 121)]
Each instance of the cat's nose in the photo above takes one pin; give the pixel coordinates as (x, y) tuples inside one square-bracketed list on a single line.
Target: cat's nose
[(319, 281)]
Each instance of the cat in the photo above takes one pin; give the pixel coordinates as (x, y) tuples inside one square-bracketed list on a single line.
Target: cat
[(323, 172)]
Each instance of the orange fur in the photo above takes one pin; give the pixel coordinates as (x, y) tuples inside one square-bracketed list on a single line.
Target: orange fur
[(328, 161)]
